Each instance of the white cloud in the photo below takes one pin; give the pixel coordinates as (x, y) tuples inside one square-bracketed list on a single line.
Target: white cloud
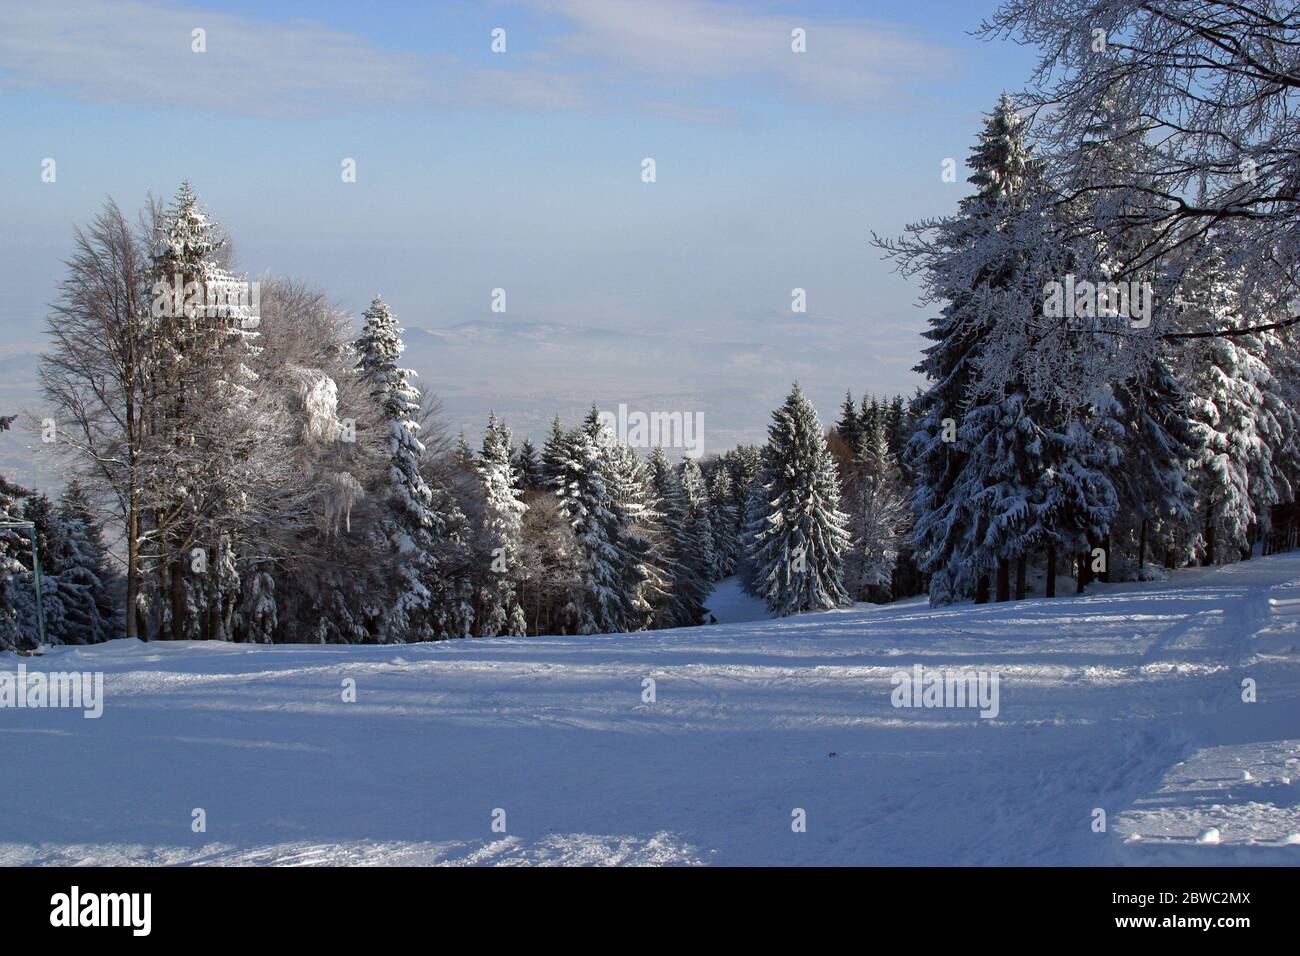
[(135, 51), (679, 41), (139, 52), (672, 58)]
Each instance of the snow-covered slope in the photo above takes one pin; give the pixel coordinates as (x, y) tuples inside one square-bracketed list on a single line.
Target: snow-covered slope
[(1127, 699)]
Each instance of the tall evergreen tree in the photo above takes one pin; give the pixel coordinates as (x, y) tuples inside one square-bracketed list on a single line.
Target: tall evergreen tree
[(897, 427), (612, 558), (634, 504), (848, 425), (725, 519), (868, 417), (86, 581), (528, 467), (203, 467), (1159, 440), (876, 503), (745, 463), (502, 528), (459, 498), (798, 532), (1235, 412), (411, 526), (1156, 438), (698, 522), (1007, 456), (18, 622), (259, 612), (682, 605), (78, 587), (937, 451), (553, 450)]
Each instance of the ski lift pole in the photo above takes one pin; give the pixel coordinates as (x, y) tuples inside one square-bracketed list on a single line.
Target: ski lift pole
[(36, 572)]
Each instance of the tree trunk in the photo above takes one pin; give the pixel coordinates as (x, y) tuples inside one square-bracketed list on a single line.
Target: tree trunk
[(1142, 546), (132, 569), (178, 599), (1020, 578), (982, 590), (212, 626), (1081, 573), (162, 601), (134, 438), (1050, 586), (1004, 580), (1209, 538)]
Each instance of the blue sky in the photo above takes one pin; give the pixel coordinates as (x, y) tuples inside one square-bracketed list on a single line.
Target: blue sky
[(522, 171)]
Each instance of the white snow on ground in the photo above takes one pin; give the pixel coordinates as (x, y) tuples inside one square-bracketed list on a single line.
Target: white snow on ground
[(1126, 699)]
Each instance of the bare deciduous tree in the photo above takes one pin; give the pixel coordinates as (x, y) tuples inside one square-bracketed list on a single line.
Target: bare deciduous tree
[(1213, 88), (94, 373)]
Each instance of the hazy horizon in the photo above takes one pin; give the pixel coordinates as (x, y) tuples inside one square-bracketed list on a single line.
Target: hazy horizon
[(522, 171)]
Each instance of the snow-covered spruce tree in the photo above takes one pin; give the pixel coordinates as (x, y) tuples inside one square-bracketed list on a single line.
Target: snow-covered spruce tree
[(18, 627), (221, 590), (452, 605), (630, 486), (553, 578), (744, 463), (1280, 417), (528, 467), (86, 581), (259, 611), (204, 470), (612, 557), (869, 415), (499, 610), (724, 519), (451, 472), (848, 425), (1203, 92), (898, 429), (682, 603), (756, 509), (954, 257), (59, 628), (1013, 441), (412, 526), (797, 529), (213, 470), (1045, 385), (1155, 495), (553, 452), (1284, 400), (879, 517), (698, 522), (1234, 411), (78, 589), (1155, 437)]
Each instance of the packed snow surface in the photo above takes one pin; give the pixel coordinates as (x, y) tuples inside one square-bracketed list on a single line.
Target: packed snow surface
[(1128, 700)]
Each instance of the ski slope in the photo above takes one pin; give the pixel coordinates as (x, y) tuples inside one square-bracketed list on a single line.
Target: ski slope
[(1127, 699)]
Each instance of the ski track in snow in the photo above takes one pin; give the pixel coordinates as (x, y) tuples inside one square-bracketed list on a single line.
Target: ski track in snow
[(1127, 698)]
